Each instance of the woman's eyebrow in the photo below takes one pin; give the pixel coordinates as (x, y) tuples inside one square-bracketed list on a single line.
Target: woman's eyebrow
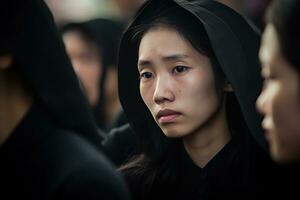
[(175, 57), (143, 63)]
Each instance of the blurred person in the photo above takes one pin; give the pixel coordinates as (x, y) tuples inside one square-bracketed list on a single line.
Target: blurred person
[(188, 84), (92, 47), (49, 146), (279, 101)]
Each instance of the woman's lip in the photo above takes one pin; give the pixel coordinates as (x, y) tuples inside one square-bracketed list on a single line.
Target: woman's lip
[(167, 115), (168, 118)]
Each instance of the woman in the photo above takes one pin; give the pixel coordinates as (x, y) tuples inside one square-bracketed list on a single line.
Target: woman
[(279, 100), (92, 47), (189, 77)]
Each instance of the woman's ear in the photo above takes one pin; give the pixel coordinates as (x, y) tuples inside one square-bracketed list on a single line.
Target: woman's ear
[(5, 61), (227, 87)]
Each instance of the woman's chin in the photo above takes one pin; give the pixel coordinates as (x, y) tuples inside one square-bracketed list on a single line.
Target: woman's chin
[(173, 132)]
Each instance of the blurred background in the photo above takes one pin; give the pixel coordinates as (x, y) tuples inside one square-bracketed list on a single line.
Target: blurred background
[(80, 10)]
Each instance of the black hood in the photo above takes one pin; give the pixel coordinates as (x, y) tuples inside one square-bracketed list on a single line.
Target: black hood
[(105, 33), (234, 42), (30, 34)]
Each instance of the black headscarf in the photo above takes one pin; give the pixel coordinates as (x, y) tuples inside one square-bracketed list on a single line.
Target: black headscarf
[(37, 49), (235, 44)]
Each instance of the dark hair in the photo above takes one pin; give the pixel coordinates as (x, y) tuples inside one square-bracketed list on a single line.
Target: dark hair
[(163, 163), (284, 15)]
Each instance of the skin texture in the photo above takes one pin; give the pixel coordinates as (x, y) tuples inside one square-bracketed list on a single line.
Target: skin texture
[(279, 100), (177, 77), (87, 64)]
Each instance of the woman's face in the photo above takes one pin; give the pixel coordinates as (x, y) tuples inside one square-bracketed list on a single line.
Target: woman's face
[(86, 62), (279, 101), (176, 82)]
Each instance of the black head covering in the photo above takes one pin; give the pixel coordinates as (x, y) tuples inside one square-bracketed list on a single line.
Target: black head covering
[(30, 35), (235, 44), (105, 33)]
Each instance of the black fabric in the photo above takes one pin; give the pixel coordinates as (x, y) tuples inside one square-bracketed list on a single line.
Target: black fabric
[(240, 170), (41, 161), (121, 144), (243, 168), (41, 57), (119, 121), (54, 152)]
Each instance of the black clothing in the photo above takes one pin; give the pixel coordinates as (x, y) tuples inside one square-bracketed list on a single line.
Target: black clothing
[(119, 121), (239, 171), (42, 161), (120, 144), (40, 55), (54, 151), (242, 169)]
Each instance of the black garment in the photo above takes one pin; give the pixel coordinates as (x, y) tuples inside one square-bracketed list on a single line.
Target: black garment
[(54, 152), (121, 144), (242, 169), (42, 161), (119, 121)]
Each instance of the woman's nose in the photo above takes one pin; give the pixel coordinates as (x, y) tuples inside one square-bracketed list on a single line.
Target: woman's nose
[(163, 91)]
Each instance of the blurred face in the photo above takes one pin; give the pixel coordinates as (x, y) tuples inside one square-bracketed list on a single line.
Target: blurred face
[(176, 82), (86, 62), (279, 101)]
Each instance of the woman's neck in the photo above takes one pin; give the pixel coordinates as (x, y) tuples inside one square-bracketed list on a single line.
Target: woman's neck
[(207, 141)]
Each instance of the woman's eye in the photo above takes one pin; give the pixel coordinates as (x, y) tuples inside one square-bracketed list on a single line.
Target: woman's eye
[(146, 75), (180, 69)]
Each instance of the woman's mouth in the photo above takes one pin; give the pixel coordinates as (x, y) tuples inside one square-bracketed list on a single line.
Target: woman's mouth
[(167, 116)]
